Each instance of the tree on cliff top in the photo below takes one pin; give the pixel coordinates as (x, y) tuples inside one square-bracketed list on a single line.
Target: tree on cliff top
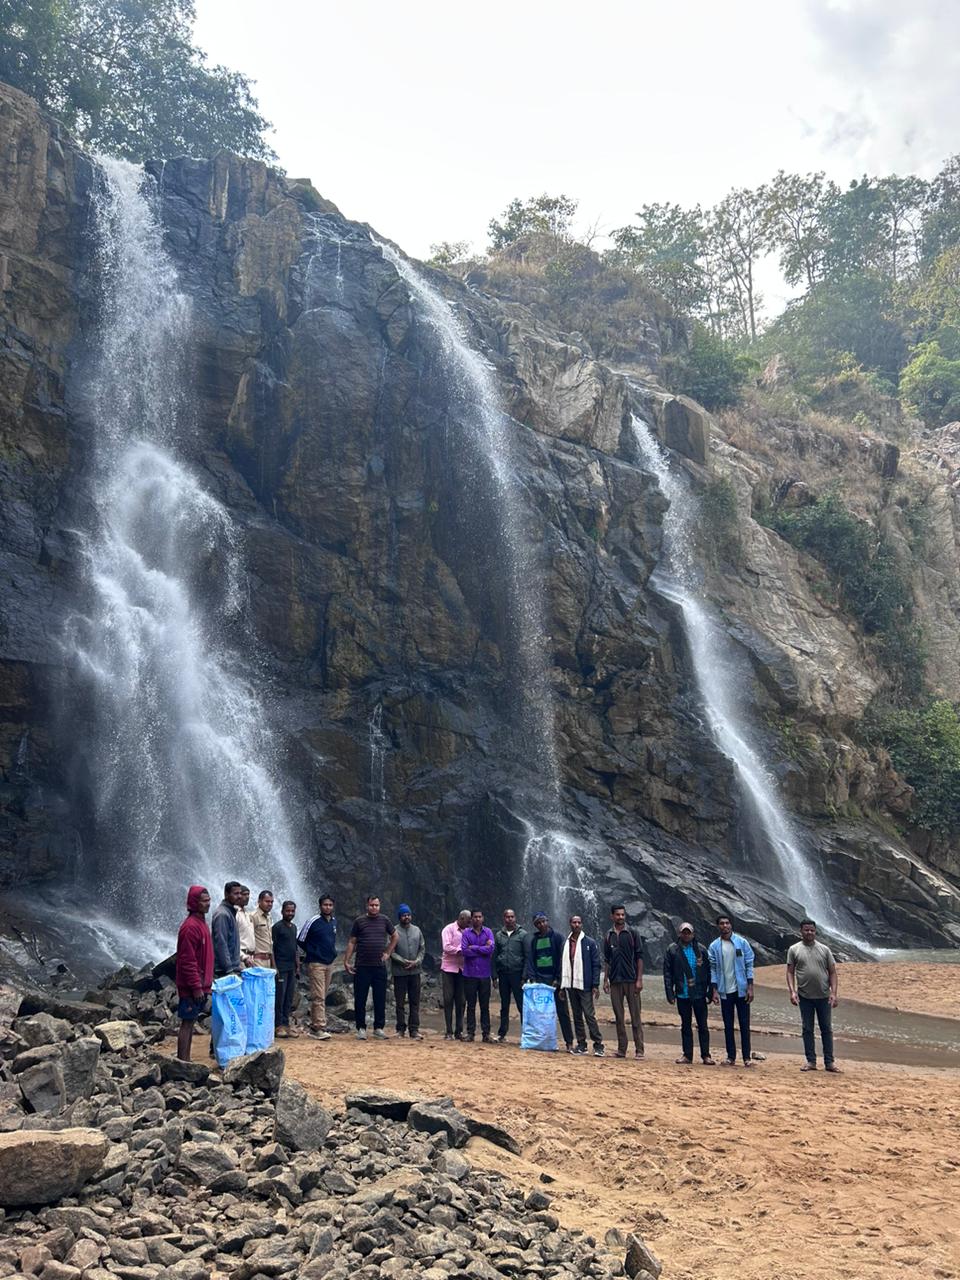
[(126, 78)]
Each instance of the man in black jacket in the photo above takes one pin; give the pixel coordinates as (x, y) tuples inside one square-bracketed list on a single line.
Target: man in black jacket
[(686, 980), (509, 962)]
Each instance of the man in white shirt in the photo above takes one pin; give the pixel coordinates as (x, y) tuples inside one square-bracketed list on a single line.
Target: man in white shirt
[(248, 937)]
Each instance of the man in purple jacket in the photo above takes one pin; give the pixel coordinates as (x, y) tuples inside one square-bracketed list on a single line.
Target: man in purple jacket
[(477, 945)]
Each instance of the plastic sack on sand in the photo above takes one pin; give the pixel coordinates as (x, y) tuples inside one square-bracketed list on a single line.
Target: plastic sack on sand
[(229, 1019), (259, 996), (539, 1017)]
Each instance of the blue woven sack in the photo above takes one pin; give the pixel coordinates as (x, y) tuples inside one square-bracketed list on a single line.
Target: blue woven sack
[(259, 996), (539, 1017), (229, 1019)]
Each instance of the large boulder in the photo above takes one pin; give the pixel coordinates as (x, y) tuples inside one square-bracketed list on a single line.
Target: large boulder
[(301, 1124), (383, 1102), (262, 1070), (42, 1028), (428, 1117), (73, 1011), (78, 1063), (205, 1162), (43, 1087), (41, 1168), (116, 1036)]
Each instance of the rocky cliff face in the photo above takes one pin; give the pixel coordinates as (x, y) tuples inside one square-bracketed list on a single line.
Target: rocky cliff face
[(379, 627)]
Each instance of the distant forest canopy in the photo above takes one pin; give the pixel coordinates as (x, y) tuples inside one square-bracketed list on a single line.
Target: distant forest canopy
[(126, 78), (877, 262)]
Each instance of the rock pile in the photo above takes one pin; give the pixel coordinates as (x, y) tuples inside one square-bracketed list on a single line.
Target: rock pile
[(120, 1162)]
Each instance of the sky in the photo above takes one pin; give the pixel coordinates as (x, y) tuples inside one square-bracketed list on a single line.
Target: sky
[(425, 119)]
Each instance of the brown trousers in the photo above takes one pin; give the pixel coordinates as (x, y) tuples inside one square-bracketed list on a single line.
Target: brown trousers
[(620, 991), (319, 975)]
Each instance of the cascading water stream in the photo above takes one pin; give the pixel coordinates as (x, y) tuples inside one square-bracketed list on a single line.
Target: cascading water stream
[(553, 870), (717, 680), (180, 760)]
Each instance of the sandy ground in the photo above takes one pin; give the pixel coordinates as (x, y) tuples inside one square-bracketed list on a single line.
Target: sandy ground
[(913, 988), (765, 1174)]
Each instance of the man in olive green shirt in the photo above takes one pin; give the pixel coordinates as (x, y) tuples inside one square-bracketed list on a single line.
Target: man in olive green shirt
[(812, 983)]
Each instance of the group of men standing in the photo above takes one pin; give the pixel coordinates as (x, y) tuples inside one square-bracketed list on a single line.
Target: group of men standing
[(475, 960)]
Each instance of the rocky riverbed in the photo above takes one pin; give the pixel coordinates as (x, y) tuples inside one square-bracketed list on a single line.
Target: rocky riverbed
[(117, 1160)]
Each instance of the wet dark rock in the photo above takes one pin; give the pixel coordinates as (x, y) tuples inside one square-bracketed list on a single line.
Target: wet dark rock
[(190, 1072), (495, 1134), (43, 1088), (640, 1261), (382, 1102), (429, 1118), (301, 1124), (262, 1070)]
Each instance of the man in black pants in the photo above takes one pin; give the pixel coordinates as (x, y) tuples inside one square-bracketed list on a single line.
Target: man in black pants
[(686, 980), (509, 962), (451, 975), (731, 972), (373, 938), (287, 959)]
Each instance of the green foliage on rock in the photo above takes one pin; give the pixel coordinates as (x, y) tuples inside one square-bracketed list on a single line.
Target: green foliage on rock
[(710, 371), (930, 385), (924, 745), (870, 582), (126, 78)]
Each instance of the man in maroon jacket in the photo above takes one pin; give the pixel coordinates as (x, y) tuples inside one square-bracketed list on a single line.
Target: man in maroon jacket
[(194, 974)]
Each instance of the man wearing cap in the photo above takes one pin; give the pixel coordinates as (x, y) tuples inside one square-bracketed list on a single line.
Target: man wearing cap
[(545, 964), (407, 965), (686, 980)]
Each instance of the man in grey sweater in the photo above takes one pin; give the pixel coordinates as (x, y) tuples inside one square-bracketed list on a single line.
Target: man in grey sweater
[(407, 965)]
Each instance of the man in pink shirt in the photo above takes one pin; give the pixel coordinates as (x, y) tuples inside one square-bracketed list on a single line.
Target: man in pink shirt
[(451, 975)]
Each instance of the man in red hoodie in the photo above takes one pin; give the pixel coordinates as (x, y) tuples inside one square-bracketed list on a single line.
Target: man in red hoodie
[(194, 973)]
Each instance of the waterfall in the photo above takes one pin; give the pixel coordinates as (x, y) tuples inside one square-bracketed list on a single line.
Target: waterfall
[(472, 383), (179, 756), (717, 681), (378, 754)]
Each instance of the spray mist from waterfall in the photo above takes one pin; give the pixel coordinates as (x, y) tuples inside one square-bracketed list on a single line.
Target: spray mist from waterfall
[(179, 759), (717, 684)]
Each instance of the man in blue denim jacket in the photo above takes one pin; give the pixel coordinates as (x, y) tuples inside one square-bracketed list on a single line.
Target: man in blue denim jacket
[(731, 972)]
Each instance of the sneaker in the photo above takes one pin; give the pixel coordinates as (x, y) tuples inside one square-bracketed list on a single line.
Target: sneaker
[(570, 1048), (325, 1035), (467, 1039), (415, 1035), (621, 1053), (361, 1033), (402, 1033), (580, 1050), (638, 1053), (488, 1039), (379, 1034), (281, 1033), (501, 1039), (449, 1036), (599, 1051)]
